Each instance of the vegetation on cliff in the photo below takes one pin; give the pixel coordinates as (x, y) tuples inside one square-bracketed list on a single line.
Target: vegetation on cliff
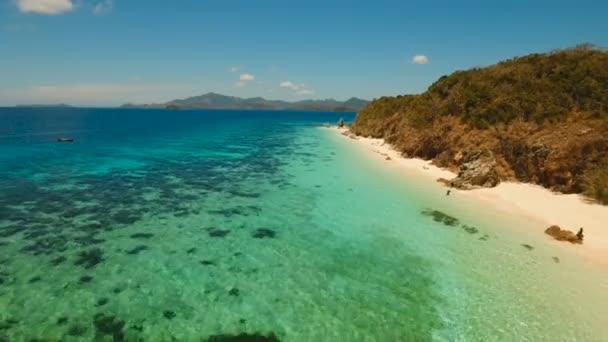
[(543, 118)]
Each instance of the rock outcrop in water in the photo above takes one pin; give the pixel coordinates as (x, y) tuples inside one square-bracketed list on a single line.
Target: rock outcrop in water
[(565, 235)]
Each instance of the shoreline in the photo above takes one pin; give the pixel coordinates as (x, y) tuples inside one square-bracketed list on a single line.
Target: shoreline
[(569, 211)]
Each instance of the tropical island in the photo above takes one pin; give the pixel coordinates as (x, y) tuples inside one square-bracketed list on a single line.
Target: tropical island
[(541, 118), (218, 101)]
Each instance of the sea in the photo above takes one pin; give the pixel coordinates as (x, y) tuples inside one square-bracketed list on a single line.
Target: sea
[(205, 225)]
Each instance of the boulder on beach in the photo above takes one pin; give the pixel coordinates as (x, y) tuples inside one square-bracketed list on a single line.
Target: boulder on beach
[(565, 235), (477, 170)]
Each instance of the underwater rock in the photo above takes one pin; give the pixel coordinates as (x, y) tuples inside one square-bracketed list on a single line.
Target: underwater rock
[(217, 232), (556, 260), (441, 217), (234, 292), (89, 259), (191, 250), (485, 237), (243, 337), (207, 262), (62, 320), (564, 235), (109, 325), (263, 233)]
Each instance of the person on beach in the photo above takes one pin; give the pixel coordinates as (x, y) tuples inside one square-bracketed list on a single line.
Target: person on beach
[(448, 193), (580, 234)]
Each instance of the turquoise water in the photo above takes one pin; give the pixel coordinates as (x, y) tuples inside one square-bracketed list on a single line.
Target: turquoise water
[(159, 226)]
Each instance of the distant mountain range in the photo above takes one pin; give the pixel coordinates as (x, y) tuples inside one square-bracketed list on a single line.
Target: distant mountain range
[(218, 101)]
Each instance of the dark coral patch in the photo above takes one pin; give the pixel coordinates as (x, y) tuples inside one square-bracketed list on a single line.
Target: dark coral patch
[(89, 259), (77, 330), (470, 229), (34, 279), (109, 326), (244, 337), (168, 314), (191, 250), (102, 301), (137, 249), (207, 262), (58, 260), (217, 232), (234, 292), (62, 320), (142, 235), (85, 279), (264, 233), (441, 217)]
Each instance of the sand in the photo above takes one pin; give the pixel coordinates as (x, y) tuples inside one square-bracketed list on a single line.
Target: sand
[(527, 200)]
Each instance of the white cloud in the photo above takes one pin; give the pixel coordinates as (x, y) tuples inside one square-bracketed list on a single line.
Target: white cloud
[(247, 77), (420, 59), (239, 84), (45, 6), (305, 92), (299, 89), (234, 69), (289, 84), (103, 7)]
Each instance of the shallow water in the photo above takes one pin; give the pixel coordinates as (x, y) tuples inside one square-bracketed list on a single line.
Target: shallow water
[(158, 225)]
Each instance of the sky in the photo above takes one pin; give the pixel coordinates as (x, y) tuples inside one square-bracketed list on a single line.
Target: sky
[(109, 52)]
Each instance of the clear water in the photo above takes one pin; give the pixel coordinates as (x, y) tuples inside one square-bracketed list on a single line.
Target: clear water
[(180, 225)]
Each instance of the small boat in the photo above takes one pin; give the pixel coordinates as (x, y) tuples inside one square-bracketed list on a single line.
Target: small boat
[(64, 140)]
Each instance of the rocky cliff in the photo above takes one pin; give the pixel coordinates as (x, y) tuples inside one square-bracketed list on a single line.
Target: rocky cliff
[(541, 118)]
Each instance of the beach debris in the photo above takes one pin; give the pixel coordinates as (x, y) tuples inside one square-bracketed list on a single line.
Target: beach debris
[(565, 235), (526, 246), (341, 123), (243, 337)]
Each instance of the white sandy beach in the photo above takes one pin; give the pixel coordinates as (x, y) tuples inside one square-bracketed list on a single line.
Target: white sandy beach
[(527, 200)]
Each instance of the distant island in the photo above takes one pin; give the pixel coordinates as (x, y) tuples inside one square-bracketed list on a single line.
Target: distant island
[(55, 105), (541, 118), (218, 101)]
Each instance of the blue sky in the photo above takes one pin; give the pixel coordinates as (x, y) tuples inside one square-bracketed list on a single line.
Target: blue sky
[(102, 52)]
